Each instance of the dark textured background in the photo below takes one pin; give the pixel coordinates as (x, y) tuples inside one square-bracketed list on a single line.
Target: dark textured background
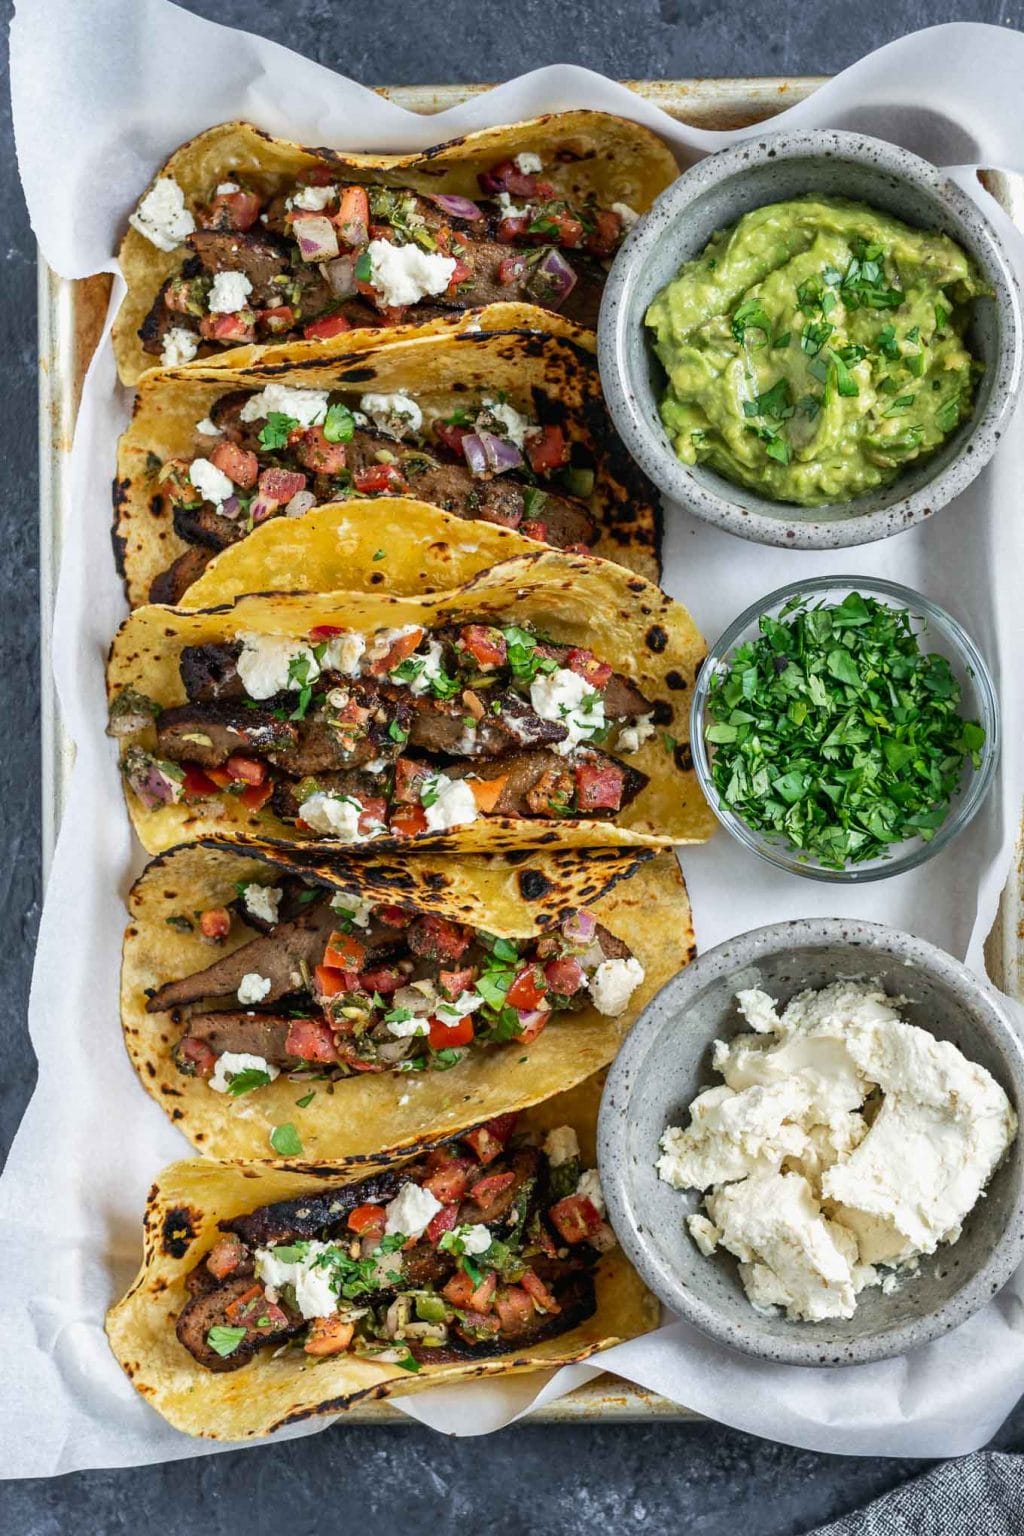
[(664, 1478)]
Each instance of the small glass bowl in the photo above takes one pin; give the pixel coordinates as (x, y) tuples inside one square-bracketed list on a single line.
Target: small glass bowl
[(977, 702)]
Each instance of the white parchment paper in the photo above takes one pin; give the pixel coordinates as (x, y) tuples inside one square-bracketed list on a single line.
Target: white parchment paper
[(103, 90)]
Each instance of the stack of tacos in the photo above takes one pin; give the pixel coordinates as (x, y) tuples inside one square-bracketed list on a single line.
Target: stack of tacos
[(403, 718)]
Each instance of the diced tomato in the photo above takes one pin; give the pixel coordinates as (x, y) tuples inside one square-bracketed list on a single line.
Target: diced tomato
[(234, 210), (196, 1057), (488, 1140), (281, 485), (324, 632), (534, 529), (240, 466), (459, 1289), (527, 990), (451, 435), (567, 230), (245, 770), (485, 644), (487, 792), (225, 1256), (478, 1325), (220, 777), (460, 272), (446, 1220), (215, 923), (372, 816), (452, 983), (531, 1024), (330, 982), (604, 236), (512, 269), (367, 1220), (449, 1182), (599, 786), (401, 647), (310, 1040), (386, 979), (512, 228), (255, 796), (379, 480), (574, 1218), (344, 952), (240, 1310), (239, 327), (198, 786), (409, 821), (317, 454), (538, 1292), (463, 1293), (564, 976), (328, 1336), (585, 664), (487, 1191), (352, 220), (323, 330), (514, 1308), (546, 450), (435, 938), (277, 320), (394, 917), (443, 1036)]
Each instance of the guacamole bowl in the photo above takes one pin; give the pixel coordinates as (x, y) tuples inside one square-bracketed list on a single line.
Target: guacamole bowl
[(713, 196)]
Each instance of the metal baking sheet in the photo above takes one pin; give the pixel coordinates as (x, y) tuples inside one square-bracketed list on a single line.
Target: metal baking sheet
[(71, 315)]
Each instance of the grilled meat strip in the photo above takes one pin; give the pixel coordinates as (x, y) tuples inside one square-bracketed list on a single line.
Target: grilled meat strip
[(208, 1310), (170, 586), (279, 956)]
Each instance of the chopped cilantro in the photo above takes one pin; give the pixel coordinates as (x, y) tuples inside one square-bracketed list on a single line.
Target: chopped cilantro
[(248, 1079), (274, 432), (224, 1340), (285, 1140)]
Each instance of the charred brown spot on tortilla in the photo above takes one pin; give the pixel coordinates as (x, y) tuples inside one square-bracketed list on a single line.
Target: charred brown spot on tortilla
[(656, 638), (662, 713), (676, 680), (179, 1229), (533, 885), (683, 757)]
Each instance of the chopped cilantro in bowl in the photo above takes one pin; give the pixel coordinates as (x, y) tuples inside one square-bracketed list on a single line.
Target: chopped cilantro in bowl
[(845, 728)]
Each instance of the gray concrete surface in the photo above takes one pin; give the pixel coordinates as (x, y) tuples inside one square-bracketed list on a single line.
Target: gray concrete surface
[(703, 1480)]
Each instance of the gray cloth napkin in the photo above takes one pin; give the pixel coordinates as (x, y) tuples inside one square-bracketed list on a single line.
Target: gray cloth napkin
[(980, 1495)]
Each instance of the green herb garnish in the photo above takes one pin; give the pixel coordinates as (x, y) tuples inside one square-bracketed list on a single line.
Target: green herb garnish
[(285, 1139), (224, 1340)]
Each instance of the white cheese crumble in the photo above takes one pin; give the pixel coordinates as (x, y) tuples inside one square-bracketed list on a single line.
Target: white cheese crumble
[(395, 415), (411, 1211), (229, 293), (452, 803), (306, 406), (211, 483), (515, 423), (809, 1185), (566, 697), (628, 215), (509, 209), (263, 901), (561, 1145), (253, 988), (453, 1013), (613, 984), (228, 186), (528, 164), (632, 737), (207, 428), (404, 274), (475, 1239), (344, 654), (162, 216), (337, 816), (314, 1296), (404, 1029), (311, 199), (347, 904), (265, 664), (180, 346), (590, 1186), (231, 1063)]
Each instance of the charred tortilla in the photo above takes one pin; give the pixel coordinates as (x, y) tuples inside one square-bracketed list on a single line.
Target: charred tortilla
[(234, 181), (636, 636), (592, 494), (351, 1117), (185, 1207)]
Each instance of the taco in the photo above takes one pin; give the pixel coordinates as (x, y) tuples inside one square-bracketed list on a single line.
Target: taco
[(271, 1293), (368, 1001), (244, 238), (498, 425), (543, 702)]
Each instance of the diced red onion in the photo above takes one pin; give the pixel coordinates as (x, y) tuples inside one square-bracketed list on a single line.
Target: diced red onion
[(300, 504), (579, 927), (557, 275), (501, 455), (154, 787), (231, 507), (317, 237), (476, 457), (340, 276), (458, 207), (261, 507), (529, 1017)]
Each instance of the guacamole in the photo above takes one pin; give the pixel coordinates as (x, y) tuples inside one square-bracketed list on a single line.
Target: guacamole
[(815, 349)]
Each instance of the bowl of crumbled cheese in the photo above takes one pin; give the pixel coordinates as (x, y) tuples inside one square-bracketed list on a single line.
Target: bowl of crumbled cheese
[(809, 1143)]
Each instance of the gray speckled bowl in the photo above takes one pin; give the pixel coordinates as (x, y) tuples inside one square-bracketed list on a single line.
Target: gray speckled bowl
[(715, 193), (666, 1060)]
